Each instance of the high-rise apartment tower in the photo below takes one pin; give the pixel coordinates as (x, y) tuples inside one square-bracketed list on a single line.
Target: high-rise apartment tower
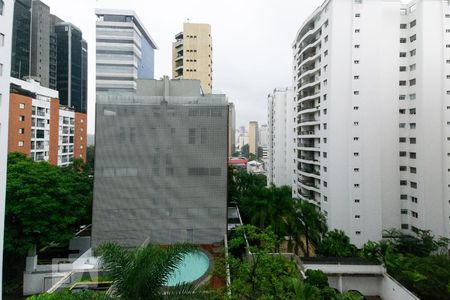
[(192, 55), (372, 87)]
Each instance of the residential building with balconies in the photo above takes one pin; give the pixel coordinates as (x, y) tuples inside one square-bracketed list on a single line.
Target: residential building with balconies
[(192, 54)]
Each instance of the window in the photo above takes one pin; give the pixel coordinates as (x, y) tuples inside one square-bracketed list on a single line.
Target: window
[(412, 24), (412, 140), (403, 197), (402, 111), (324, 126), (412, 67), (404, 211), (412, 111), (191, 136), (402, 83), (355, 107), (324, 155), (356, 138), (356, 93), (414, 200), (402, 153), (21, 130), (405, 226), (412, 125), (402, 54), (357, 15), (20, 144), (357, 30), (356, 170), (325, 184), (412, 52), (414, 214), (401, 97), (356, 185), (402, 40), (402, 125), (403, 182), (412, 38), (1, 69), (356, 77), (326, 39), (402, 140), (2, 4), (412, 155), (357, 200), (21, 105), (356, 62), (356, 123), (358, 232), (358, 1), (402, 168), (357, 46), (412, 96), (402, 68), (2, 39), (412, 82), (21, 118), (403, 26), (355, 154), (357, 216), (412, 170)]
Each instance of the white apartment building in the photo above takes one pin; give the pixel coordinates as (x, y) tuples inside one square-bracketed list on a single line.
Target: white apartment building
[(280, 133), (372, 87), (6, 19)]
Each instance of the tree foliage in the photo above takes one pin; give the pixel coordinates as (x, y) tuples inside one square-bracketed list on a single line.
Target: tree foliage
[(336, 244), (44, 204), (67, 295), (142, 273)]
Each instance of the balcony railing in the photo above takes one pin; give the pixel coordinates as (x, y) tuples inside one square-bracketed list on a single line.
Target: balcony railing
[(308, 132), (305, 120)]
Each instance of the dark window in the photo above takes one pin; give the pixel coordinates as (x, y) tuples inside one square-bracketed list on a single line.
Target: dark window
[(1, 7), (191, 136), (39, 134)]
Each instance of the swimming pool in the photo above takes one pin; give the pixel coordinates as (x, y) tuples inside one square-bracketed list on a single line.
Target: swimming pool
[(193, 266)]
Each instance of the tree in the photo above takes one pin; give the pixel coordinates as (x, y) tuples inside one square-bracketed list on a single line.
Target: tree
[(67, 295), (308, 222), (336, 244), (44, 204), (240, 182), (90, 158), (252, 157), (142, 273)]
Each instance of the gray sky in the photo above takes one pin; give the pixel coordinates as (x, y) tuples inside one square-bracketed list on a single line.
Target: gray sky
[(251, 42)]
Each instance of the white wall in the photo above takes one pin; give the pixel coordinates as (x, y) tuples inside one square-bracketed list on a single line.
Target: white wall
[(5, 60), (280, 137)]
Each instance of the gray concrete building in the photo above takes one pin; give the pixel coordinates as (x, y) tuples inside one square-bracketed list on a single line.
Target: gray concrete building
[(161, 165), (40, 42)]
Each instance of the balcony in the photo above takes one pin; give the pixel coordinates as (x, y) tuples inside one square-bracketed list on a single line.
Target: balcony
[(308, 147), (307, 120), (308, 185)]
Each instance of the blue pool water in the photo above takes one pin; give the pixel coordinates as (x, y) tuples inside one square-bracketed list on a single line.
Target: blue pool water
[(193, 266)]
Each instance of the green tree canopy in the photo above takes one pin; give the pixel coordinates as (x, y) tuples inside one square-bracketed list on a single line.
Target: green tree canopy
[(336, 244), (44, 204)]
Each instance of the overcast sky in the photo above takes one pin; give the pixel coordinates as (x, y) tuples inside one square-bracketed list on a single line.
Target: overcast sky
[(251, 42)]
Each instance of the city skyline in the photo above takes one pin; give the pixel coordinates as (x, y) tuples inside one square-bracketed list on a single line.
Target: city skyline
[(260, 44)]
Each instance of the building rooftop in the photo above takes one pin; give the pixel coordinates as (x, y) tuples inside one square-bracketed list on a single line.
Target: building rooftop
[(128, 13)]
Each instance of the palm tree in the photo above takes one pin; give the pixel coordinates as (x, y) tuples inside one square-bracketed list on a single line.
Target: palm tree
[(308, 222), (142, 273)]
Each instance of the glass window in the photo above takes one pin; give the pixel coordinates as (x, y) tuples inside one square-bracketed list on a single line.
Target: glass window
[(2, 4)]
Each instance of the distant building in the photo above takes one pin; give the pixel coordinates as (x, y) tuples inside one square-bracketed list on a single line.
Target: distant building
[(41, 30), (20, 55), (125, 51), (281, 147), (231, 129), (43, 129), (192, 55), (70, 66), (160, 165), (263, 149), (242, 138), (253, 137), (6, 29)]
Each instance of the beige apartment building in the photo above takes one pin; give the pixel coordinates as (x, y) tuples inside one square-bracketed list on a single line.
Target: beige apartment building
[(192, 55), (253, 137)]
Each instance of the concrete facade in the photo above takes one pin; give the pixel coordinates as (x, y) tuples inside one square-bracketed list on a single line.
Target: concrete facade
[(43, 129), (281, 150), (161, 165), (125, 51), (231, 129), (6, 24), (253, 137), (192, 54), (40, 42), (367, 116)]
